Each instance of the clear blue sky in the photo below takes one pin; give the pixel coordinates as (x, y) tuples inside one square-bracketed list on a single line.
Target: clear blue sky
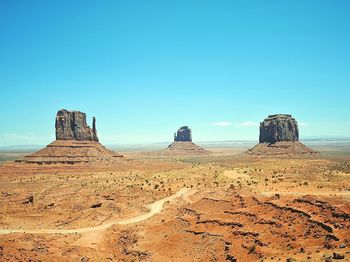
[(144, 68)]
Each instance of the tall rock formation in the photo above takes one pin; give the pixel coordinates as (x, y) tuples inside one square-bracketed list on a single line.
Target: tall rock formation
[(71, 125), (279, 137), (183, 144), (76, 143), (279, 128), (184, 134)]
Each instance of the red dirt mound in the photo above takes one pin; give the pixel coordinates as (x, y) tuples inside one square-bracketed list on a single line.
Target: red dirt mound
[(72, 152), (185, 148), (281, 149)]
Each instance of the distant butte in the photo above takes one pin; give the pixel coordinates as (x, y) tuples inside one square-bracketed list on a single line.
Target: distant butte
[(184, 134), (76, 143), (183, 144), (279, 136)]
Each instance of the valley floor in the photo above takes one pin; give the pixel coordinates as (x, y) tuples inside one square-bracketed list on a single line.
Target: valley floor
[(208, 208)]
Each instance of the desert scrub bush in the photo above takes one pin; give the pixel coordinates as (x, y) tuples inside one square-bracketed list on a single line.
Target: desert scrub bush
[(251, 249)]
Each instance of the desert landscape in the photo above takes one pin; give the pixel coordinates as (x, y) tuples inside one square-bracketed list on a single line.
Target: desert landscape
[(174, 131), (78, 201)]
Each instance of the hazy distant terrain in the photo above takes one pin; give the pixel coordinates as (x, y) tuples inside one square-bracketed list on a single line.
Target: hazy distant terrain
[(331, 146), (327, 146)]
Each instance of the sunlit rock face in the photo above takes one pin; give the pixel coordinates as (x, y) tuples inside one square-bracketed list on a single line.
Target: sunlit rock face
[(279, 128), (71, 125), (279, 137)]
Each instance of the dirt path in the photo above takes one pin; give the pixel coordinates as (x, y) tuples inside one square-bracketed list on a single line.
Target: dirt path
[(154, 208)]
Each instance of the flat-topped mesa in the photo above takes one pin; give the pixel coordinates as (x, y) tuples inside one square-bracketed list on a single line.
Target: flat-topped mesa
[(279, 137), (279, 128), (71, 125), (184, 134)]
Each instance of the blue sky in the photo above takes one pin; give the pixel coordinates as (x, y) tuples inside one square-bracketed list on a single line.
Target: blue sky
[(144, 68)]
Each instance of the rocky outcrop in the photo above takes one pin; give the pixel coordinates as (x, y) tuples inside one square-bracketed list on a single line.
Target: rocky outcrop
[(279, 128), (73, 152), (76, 143), (71, 125), (281, 149), (184, 134), (183, 144), (279, 137), (186, 148)]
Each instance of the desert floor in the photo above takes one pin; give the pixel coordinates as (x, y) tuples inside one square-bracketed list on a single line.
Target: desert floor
[(221, 207)]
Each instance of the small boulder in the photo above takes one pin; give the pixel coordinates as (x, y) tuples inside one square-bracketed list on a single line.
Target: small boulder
[(96, 205), (29, 200), (338, 256)]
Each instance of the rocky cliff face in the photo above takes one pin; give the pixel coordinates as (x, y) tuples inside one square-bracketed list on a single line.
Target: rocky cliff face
[(279, 128), (279, 137), (71, 125), (184, 134)]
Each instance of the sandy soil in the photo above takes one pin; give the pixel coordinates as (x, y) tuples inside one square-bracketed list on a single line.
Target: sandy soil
[(153, 209), (222, 207)]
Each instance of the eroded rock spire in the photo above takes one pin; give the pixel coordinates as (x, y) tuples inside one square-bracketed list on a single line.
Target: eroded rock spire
[(71, 125)]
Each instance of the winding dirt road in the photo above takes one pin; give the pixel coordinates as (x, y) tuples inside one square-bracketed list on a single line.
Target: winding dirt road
[(154, 208)]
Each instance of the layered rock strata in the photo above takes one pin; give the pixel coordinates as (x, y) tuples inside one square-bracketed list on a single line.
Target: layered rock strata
[(76, 143), (72, 152), (279, 137), (183, 144), (279, 128), (71, 125)]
